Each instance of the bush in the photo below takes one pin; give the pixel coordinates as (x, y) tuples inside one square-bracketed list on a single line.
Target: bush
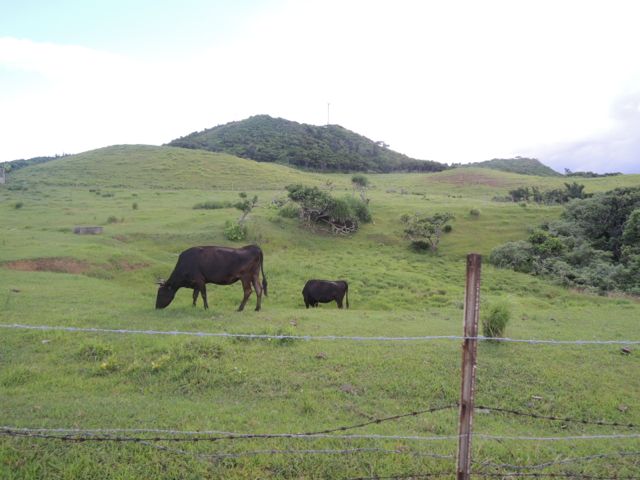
[(112, 219), (474, 212), (341, 216), (424, 230), (18, 205), (212, 205), (234, 231), (515, 255), (447, 228), (134, 206), (289, 211), (495, 322)]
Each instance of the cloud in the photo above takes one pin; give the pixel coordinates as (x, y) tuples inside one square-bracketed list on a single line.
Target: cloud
[(616, 150)]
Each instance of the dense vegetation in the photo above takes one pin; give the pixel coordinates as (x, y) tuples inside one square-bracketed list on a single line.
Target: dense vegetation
[(329, 148), (535, 194), (143, 197), (521, 165), (319, 208), (589, 174), (596, 244), (18, 164)]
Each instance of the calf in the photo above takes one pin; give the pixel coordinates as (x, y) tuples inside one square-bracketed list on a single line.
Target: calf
[(324, 291)]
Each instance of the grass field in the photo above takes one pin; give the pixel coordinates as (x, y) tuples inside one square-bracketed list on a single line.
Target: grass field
[(143, 197)]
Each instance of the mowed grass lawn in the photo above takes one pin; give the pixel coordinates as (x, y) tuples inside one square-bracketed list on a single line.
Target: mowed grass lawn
[(143, 197)]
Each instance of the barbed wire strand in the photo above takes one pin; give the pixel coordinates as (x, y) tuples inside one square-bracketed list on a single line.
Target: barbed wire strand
[(551, 475), (316, 337), (555, 418), (336, 429), (493, 474), (249, 436), (406, 475), (565, 461), (77, 432)]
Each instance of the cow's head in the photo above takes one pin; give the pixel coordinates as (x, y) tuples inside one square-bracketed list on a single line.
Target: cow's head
[(165, 295)]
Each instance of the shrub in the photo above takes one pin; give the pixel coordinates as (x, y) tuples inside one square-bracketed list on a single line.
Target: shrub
[(112, 219), (474, 212), (134, 206), (317, 207), (212, 205), (515, 255), (18, 205), (425, 231), (289, 211), (495, 322), (447, 228), (234, 231)]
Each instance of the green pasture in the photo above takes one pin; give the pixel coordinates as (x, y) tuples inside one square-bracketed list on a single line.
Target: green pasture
[(143, 197)]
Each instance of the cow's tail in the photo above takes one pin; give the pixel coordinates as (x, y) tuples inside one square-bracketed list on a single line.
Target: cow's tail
[(346, 292), (264, 279)]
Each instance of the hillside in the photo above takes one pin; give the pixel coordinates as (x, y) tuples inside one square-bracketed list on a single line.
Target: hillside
[(330, 148), (525, 166), (140, 388), (146, 166)]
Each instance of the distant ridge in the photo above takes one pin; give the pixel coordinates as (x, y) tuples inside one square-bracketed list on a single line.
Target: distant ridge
[(330, 148), (522, 165)]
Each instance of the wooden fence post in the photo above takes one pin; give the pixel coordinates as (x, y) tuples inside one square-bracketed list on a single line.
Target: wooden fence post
[(469, 356)]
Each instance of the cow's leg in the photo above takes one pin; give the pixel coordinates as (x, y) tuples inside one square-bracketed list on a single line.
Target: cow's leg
[(203, 292), (258, 288), (196, 292), (246, 286), (339, 302)]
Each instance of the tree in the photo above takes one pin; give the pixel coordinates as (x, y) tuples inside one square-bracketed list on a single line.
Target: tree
[(245, 206), (425, 231), (631, 234), (575, 190), (361, 183), (342, 216), (520, 193)]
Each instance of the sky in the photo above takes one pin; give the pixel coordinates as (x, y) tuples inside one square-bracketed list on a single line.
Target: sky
[(452, 81)]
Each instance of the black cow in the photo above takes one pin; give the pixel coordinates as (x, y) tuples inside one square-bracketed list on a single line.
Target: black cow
[(198, 266), (325, 291)]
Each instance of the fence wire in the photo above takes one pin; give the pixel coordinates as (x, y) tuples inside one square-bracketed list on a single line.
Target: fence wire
[(259, 336), (556, 418), (565, 461)]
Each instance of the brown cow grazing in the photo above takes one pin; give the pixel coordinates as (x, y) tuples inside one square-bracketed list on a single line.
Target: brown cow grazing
[(325, 291), (198, 266)]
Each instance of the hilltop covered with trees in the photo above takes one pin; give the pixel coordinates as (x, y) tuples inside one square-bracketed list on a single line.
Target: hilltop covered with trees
[(522, 165), (329, 148)]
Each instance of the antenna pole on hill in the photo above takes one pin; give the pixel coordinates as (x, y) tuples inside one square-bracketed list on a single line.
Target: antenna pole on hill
[(328, 105)]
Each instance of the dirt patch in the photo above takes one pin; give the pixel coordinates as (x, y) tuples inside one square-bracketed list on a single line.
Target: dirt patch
[(70, 265), (58, 265), (463, 178), (127, 266)]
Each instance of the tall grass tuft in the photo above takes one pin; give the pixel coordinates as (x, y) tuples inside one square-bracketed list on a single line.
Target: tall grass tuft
[(495, 323)]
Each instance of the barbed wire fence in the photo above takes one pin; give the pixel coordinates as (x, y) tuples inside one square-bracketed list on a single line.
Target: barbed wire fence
[(154, 438)]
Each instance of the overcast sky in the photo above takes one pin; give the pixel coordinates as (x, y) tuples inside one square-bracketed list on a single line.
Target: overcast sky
[(451, 81)]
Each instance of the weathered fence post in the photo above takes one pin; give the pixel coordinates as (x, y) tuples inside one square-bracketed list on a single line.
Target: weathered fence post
[(469, 354)]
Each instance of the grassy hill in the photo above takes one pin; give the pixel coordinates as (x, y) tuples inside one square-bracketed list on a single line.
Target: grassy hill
[(326, 148), (143, 197), (145, 166), (524, 166)]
